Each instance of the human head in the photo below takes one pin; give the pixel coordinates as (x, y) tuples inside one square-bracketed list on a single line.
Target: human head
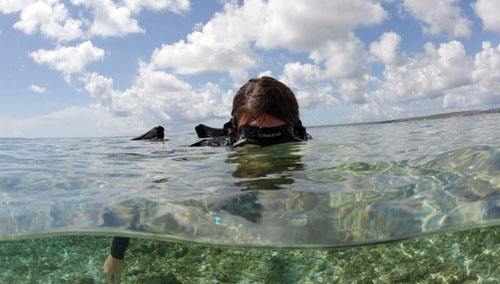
[(265, 95)]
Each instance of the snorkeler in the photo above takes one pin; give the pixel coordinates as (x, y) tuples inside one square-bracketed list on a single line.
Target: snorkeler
[(265, 112)]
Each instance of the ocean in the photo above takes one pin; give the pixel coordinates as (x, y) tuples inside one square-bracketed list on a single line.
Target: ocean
[(409, 201)]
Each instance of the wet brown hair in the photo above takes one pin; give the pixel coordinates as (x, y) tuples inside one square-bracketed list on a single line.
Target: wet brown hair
[(265, 95)]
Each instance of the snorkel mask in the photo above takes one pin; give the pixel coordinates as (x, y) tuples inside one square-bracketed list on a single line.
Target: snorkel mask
[(249, 135), (265, 136)]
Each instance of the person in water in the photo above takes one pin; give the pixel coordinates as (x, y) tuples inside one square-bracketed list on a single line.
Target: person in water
[(265, 112)]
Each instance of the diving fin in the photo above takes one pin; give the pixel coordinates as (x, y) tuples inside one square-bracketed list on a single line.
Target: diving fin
[(204, 131), (156, 133)]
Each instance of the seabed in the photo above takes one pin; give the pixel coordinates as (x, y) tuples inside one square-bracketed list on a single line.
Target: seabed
[(470, 256)]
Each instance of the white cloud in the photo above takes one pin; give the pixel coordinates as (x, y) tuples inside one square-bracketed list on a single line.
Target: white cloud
[(343, 59), (37, 89), (356, 90), (345, 63), (101, 88), (374, 111), (13, 6), (159, 97), (428, 75), (307, 78), (485, 85), (228, 42), (117, 18), (299, 75), (445, 73), (488, 11), (110, 18), (224, 44), (487, 62), (69, 60), (444, 16), (176, 6), (77, 122), (309, 99), (386, 49), (52, 18), (296, 24)]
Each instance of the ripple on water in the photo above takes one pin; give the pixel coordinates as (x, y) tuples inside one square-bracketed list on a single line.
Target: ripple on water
[(349, 186)]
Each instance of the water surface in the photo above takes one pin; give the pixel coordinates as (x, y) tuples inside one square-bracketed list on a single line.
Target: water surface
[(350, 186)]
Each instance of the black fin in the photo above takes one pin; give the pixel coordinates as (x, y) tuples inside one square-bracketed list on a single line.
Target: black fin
[(157, 132), (204, 131)]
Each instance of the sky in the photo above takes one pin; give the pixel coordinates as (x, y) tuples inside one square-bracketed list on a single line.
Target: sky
[(92, 68)]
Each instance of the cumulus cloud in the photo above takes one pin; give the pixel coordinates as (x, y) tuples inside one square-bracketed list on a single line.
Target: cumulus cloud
[(343, 59), (224, 44), (307, 78), (439, 17), (176, 6), (297, 24), (51, 18), (488, 11), (487, 62), (428, 75), (70, 59), (299, 75), (37, 89), (109, 18), (485, 85), (386, 49), (309, 99), (13, 6), (445, 72), (228, 43), (160, 97), (117, 18), (357, 90), (344, 62), (341, 62)]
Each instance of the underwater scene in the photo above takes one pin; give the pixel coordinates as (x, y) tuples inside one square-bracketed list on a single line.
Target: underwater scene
[(410, 201)]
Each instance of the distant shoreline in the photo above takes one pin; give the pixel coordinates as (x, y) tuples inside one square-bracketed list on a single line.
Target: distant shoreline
[(434, 116)]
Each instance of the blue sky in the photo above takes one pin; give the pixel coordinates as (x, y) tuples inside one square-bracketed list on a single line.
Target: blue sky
[(110, 68)]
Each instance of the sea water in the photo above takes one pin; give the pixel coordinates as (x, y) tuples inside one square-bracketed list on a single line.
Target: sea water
[(401, 202)]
